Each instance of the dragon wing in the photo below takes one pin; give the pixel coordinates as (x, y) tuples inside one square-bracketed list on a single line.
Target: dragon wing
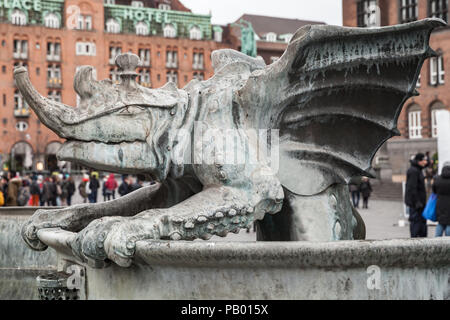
[(335, 96)]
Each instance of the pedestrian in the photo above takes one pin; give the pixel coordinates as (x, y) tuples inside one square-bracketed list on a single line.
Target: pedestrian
[(42, 199), (4, 188), (366, 189), (111, 186), (82, 188), (441, 187), (416, 196), (35, 191), (124, 187), (70, 186), (138, 184), (94, 185), (2, 195), (104, 188), (64, 190), (354, 190), (14, 185), (50, 191), (24, 193)]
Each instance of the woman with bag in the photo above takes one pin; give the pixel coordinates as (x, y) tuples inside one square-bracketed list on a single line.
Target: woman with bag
[(441, 187)]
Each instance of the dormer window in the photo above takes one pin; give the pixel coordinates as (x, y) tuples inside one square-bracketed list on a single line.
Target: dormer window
[(271, 37), (195, 33), (137, 4), (164, 6), (170, 31), (112, 26), (142, 29), (51, 20), (18, 17)]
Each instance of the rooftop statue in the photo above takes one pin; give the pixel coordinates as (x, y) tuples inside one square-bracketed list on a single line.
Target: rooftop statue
[(332, 100), (248, 39)]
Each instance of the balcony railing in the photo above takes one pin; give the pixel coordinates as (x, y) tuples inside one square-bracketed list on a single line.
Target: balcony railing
[(146, 84), (172, 64), (20, 55), (198, 66), (54, 83), (22, 113), (53, 57)]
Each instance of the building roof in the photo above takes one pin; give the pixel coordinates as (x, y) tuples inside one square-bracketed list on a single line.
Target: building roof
[(280, 26)]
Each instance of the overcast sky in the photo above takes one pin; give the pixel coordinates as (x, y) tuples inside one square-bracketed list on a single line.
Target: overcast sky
[(227, 11)]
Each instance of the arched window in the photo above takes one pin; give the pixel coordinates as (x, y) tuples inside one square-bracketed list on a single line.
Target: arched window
[(51, 20), (195, 33), (112, 26), (434, 126), (170, 31), (415, 122), (142, 29), (18, 17)]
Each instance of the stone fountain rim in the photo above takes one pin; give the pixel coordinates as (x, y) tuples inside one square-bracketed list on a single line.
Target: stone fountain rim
[(402, 253)]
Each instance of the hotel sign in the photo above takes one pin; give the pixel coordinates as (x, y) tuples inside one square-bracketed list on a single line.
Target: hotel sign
[(34, 5), (145, 14)]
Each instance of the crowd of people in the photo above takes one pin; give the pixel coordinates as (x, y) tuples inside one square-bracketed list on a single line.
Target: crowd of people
[(416, 195), (58, 189)]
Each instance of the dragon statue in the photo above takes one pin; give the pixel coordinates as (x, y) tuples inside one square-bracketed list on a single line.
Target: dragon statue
[(329, 103)]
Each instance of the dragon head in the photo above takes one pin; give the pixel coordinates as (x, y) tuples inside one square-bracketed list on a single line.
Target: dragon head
[(121, 127)]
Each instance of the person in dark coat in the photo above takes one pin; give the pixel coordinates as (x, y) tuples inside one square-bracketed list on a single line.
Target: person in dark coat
[(416, 196), (124, 187), (94, 185), (354, 190), (441, 187), (366, 189)]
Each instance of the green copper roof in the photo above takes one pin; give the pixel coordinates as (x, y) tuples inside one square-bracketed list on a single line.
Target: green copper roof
[(182, 21)]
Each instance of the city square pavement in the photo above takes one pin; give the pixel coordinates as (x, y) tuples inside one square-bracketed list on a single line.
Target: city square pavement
[(381, 219)]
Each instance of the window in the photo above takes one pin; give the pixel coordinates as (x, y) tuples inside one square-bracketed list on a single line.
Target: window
[(409, 11), (438, 9), (437, 72), (114, 75), (286, 37), (3, 69), (368, 13), (110, 2), (53, 51), (144, 78), (172, 59), (112, 26), (113, 53), (271, 37), (54, 75), (20, 48), (164, 6), (172, 76), (18, 17), (137, 4), (170, 31), (198, 61), (144, 54), (54, 95), (200, 76), (84, 22), (51, 20), (142, 29), (21, 126), (195, 33), (414, 122), (434, 109), (85, 49), (4, 100), (218, 36), (20, 106)]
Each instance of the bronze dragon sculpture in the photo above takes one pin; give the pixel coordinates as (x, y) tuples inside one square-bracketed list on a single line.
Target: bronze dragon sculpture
[(322, 110)]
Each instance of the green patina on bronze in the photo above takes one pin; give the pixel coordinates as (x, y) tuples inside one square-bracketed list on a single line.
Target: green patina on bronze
[(248, 38)]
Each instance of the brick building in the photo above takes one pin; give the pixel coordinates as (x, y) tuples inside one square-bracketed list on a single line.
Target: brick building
[(417, 122), (52, 38), (272, 34)]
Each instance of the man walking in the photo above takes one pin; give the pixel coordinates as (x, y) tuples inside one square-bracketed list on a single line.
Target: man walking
[(416, 196)]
